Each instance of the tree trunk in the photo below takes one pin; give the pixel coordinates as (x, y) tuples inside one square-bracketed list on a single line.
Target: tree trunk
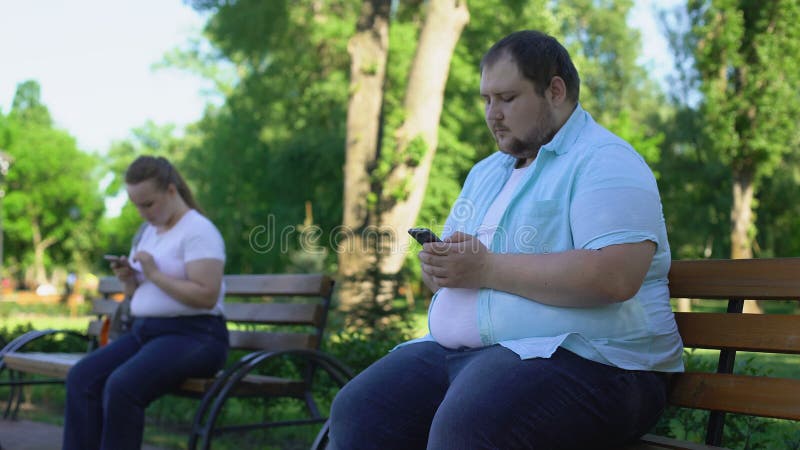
[(368, 49), (375, 217), (423, 106), (39, 247), (741, 222)]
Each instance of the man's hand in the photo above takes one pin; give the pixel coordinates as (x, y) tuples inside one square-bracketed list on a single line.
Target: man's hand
[(461, 261)]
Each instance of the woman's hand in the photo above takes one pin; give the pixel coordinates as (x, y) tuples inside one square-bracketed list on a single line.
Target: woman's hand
[(461, 261), (148, 263), (122, 269)]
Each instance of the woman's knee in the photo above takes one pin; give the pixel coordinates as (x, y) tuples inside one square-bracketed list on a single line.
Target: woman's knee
[(80, 377), (121, 388)]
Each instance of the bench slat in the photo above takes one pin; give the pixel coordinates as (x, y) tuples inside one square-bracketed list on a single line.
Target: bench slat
[(748, 332), (49, 364), (57, 365), (250, 385), (654, 442), (274, 313), (104, 307), (274, 285), (95, 327), (254, 285), (759, 396), (109, 286), (753, 279), (250, 340)]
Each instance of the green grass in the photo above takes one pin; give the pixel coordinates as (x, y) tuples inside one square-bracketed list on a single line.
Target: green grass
[(42, 321)]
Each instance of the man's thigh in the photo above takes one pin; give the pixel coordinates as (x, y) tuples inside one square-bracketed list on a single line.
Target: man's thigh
[(390, 404), (497, 400)]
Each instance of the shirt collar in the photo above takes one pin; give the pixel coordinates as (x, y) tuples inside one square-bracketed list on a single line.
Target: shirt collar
[(568, 134)]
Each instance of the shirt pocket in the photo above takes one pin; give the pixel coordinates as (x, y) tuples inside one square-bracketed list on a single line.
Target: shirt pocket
[(537, 227), (544, 208)]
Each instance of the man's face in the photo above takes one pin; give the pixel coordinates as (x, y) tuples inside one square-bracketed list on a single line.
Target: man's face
[(520, 119)]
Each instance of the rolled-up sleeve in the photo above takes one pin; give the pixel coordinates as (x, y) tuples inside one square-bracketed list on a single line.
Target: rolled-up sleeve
[(615, 201)]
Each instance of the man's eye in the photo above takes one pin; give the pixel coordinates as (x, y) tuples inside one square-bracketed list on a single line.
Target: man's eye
[(508, 99)]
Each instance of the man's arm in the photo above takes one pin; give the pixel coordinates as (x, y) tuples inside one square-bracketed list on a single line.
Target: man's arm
[(574, 278)]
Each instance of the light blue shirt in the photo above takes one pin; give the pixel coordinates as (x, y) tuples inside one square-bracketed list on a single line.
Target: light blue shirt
[(586, 189)]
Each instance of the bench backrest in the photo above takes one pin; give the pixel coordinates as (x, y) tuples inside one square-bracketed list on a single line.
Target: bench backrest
[(735, 281), (289, 312)]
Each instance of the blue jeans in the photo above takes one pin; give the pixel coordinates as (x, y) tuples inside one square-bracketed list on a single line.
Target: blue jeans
[(426, 396), (109, 389)]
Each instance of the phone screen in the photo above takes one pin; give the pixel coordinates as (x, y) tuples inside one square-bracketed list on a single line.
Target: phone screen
[(424, 235)]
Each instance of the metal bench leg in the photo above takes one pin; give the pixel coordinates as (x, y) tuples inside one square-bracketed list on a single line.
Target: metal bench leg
[(321, 441)]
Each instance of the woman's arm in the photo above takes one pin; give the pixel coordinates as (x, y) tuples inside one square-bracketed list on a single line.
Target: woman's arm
[(201, 287)]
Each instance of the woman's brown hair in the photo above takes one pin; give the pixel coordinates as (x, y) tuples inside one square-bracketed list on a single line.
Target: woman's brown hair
[(162, 172)]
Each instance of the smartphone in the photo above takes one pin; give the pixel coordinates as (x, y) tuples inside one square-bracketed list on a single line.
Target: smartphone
[(112, 258), (423, 235)]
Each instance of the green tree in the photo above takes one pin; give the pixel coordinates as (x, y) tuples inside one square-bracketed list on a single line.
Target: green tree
[(747, 57), (395, 173), (52, 206), (696, 186), (277, 142)]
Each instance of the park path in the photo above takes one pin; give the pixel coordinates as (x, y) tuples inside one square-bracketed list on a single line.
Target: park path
[(27, 435)]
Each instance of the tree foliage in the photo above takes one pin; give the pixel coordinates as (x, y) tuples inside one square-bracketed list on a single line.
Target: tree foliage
[(743, 130), (278, 140), (52, 204), (284, 120)]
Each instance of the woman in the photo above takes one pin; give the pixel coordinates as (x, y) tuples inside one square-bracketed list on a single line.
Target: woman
[(174, 274)]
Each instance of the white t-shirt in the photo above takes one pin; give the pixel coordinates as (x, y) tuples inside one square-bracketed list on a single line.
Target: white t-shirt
[(193, 237), (453, 317)]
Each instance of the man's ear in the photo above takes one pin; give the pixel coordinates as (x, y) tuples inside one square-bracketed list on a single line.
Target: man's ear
[(558, 90)]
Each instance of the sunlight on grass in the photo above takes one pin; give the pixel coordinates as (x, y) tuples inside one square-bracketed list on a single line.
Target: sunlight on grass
[(41, 321)]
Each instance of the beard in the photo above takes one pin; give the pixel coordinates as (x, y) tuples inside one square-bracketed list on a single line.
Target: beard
[(528, 146)]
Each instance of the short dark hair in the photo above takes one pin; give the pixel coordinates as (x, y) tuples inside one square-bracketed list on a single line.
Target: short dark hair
[(539, 58)]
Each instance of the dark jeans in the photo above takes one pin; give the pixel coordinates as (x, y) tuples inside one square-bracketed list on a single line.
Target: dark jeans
[(108, 390), (426, 396)]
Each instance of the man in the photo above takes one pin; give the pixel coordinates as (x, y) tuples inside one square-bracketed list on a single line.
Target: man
[(550, 326)]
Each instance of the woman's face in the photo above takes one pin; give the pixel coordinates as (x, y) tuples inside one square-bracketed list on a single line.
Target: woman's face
[(154, 205)]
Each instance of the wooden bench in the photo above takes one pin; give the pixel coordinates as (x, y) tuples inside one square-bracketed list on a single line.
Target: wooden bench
[(723, 391), (284, 319)]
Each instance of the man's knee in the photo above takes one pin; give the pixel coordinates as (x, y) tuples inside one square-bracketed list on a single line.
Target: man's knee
[(459, 426), (345, 411)]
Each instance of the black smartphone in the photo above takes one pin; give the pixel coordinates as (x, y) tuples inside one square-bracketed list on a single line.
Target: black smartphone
[(423, 235)]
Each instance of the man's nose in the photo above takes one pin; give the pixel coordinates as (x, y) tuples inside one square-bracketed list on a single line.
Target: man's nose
[(493, 112)]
